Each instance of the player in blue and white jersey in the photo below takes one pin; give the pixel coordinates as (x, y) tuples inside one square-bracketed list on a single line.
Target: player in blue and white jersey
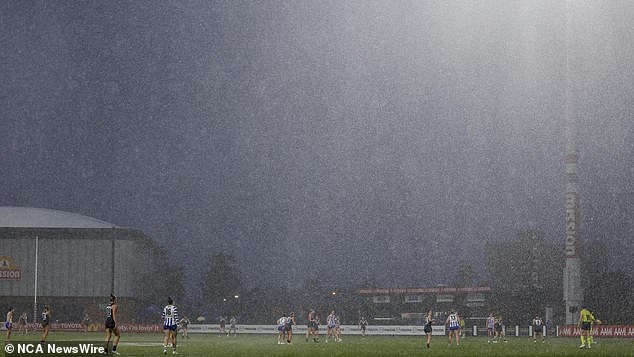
[(453, 321), (330, 326), (170, 325), (337, 329), (490, 327), (8, 324), (281, 326)]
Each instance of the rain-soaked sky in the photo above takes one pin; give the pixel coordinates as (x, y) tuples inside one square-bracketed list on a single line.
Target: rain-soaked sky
[(341, 140)]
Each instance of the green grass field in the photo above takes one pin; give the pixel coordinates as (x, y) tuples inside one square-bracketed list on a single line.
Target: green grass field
[(261, 345)]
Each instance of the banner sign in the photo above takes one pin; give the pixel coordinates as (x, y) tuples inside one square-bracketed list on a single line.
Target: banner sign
[(8, 269), (246, 329), (599, 331), (301, 329), (572, 225), (78, 326), (55, 326), (140, 328), (439, 290), (616, 331)]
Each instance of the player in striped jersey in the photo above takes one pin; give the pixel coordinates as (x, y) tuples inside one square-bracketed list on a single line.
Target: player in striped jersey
[(281, 325), (232, 326), (363, 325), (453, 320), (338, 329), (499, 329), (9, 324), (170, 325), (22, 323), (330, 326), (490, 327), (111, 324), (538, 328), (184, 326)]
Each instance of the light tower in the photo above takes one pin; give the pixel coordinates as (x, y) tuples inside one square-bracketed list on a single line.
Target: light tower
[(573, 292)]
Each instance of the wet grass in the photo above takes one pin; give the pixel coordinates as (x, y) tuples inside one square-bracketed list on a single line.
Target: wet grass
[(262, 345)]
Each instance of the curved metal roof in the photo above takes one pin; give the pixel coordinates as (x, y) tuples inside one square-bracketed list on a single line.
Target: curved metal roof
[(31, 217)]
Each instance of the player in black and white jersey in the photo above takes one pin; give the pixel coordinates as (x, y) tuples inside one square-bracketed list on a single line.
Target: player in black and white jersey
[(499, 329), (288, 327), (538, 328), (232, 326), (184, 322), (46, 323), (170, 325), (86, 322), (312, 326), (317, 323), (111, 324), (22, 323), (429, 320), (363, 325), (223, 323)]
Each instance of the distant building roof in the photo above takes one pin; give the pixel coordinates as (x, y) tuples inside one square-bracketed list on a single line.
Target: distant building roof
[(30, 217), (434, 290)]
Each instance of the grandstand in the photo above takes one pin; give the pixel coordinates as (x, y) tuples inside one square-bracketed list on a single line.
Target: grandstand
[(80, 261)]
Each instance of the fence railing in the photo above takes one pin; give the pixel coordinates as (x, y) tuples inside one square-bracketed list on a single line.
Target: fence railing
[(616, 331)]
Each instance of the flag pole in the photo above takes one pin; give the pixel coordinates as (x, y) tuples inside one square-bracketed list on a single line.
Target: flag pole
[(35, 290)]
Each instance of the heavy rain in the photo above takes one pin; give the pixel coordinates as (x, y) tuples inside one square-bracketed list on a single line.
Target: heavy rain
[(380, 158)]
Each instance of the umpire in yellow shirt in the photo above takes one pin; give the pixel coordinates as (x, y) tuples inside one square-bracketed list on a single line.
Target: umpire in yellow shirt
[(585, 323)]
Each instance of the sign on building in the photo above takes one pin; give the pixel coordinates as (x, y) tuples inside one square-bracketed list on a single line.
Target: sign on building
[(9, 270)]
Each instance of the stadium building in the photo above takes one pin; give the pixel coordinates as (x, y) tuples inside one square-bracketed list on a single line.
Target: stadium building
[(409, 305), (72, 263)]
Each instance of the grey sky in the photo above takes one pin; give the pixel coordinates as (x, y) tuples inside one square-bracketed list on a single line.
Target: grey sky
[(391, 137)]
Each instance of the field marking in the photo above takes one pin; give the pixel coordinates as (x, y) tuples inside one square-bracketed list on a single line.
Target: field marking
[(141, 344)]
